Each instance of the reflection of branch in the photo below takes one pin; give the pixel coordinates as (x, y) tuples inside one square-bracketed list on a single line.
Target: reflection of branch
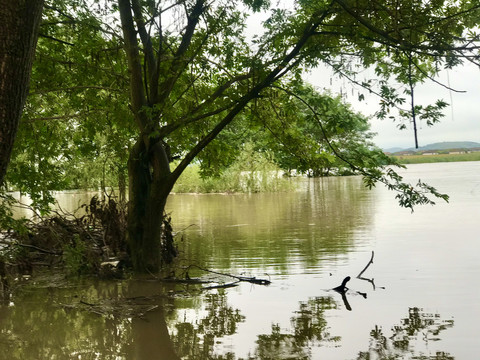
[(345, 301), (221, 286)]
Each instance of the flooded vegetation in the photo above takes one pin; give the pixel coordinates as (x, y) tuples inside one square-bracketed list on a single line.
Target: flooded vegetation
[(416, 299)]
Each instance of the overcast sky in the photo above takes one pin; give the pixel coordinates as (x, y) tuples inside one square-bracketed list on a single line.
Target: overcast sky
[(462, 117)]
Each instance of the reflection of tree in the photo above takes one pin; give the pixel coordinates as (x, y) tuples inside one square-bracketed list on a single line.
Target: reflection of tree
[(309, 324), (37, 327), (197, 342), (324, 216), (106, 320), (221, 319), (113, 320), (43, 324), (418, 326), (309, 327)]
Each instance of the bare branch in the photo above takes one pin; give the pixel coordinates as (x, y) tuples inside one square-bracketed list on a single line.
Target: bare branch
[(193, 19), (55, 39), (72, 88)]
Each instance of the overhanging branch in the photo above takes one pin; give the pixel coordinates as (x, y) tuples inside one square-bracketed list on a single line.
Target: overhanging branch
[(408, 196)]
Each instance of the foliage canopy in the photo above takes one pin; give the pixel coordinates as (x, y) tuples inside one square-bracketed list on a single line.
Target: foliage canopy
[(152, 82)]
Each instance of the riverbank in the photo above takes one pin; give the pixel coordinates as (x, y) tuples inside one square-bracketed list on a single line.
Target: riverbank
[(422, 159)]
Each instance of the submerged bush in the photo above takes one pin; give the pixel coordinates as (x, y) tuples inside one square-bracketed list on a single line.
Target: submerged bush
[(79, 258), (79, 245)]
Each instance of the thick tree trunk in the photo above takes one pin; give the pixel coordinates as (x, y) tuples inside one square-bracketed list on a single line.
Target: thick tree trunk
[(19, 20), (149, 185), (150, 180)]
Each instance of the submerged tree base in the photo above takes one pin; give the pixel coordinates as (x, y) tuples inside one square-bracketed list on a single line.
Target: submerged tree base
[(91, 244)]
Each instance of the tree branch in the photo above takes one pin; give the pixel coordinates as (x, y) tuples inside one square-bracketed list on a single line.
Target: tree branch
[(137, 93), (366, 267), (72, 88), (269, 79), (152, 68), (59, 117), (407, 195), (193, 19), (55, 39)]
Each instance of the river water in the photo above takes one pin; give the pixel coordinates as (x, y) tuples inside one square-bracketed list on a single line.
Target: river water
[(419, 299)]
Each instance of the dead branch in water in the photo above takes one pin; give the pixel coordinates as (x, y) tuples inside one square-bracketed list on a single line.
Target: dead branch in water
[(16, 243), (359, 276), (252, 280), (371, 281)]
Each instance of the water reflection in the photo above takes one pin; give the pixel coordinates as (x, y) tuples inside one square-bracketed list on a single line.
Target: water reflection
[(113, 324), (274, 232), (141, 320), (309, 329), (331, 226), (417, 327), (195, 339), (41, 328)]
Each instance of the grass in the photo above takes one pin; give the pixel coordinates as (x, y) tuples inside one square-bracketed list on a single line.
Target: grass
[(232, 181), (421, 159), (252, 171)]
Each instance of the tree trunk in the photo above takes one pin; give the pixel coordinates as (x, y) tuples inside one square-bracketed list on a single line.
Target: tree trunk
[(19, 21), (150, 183)]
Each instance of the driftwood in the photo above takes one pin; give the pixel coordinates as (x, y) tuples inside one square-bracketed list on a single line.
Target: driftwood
[(252, 280), (359, 276), (187, 280), (80, 244), (238, 279), (372, 280), (342, 289)]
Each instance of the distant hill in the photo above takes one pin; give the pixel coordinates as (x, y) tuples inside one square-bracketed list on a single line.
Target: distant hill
[(440, 146), (393, 150), (449, 145)]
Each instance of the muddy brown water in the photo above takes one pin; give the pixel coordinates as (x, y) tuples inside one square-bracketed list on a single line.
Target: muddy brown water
[(422, 295)]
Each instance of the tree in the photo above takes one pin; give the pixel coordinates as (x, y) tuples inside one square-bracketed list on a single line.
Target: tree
[(19, 21), (308, 129), (192, 76), (75, 128), (197, 81)]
